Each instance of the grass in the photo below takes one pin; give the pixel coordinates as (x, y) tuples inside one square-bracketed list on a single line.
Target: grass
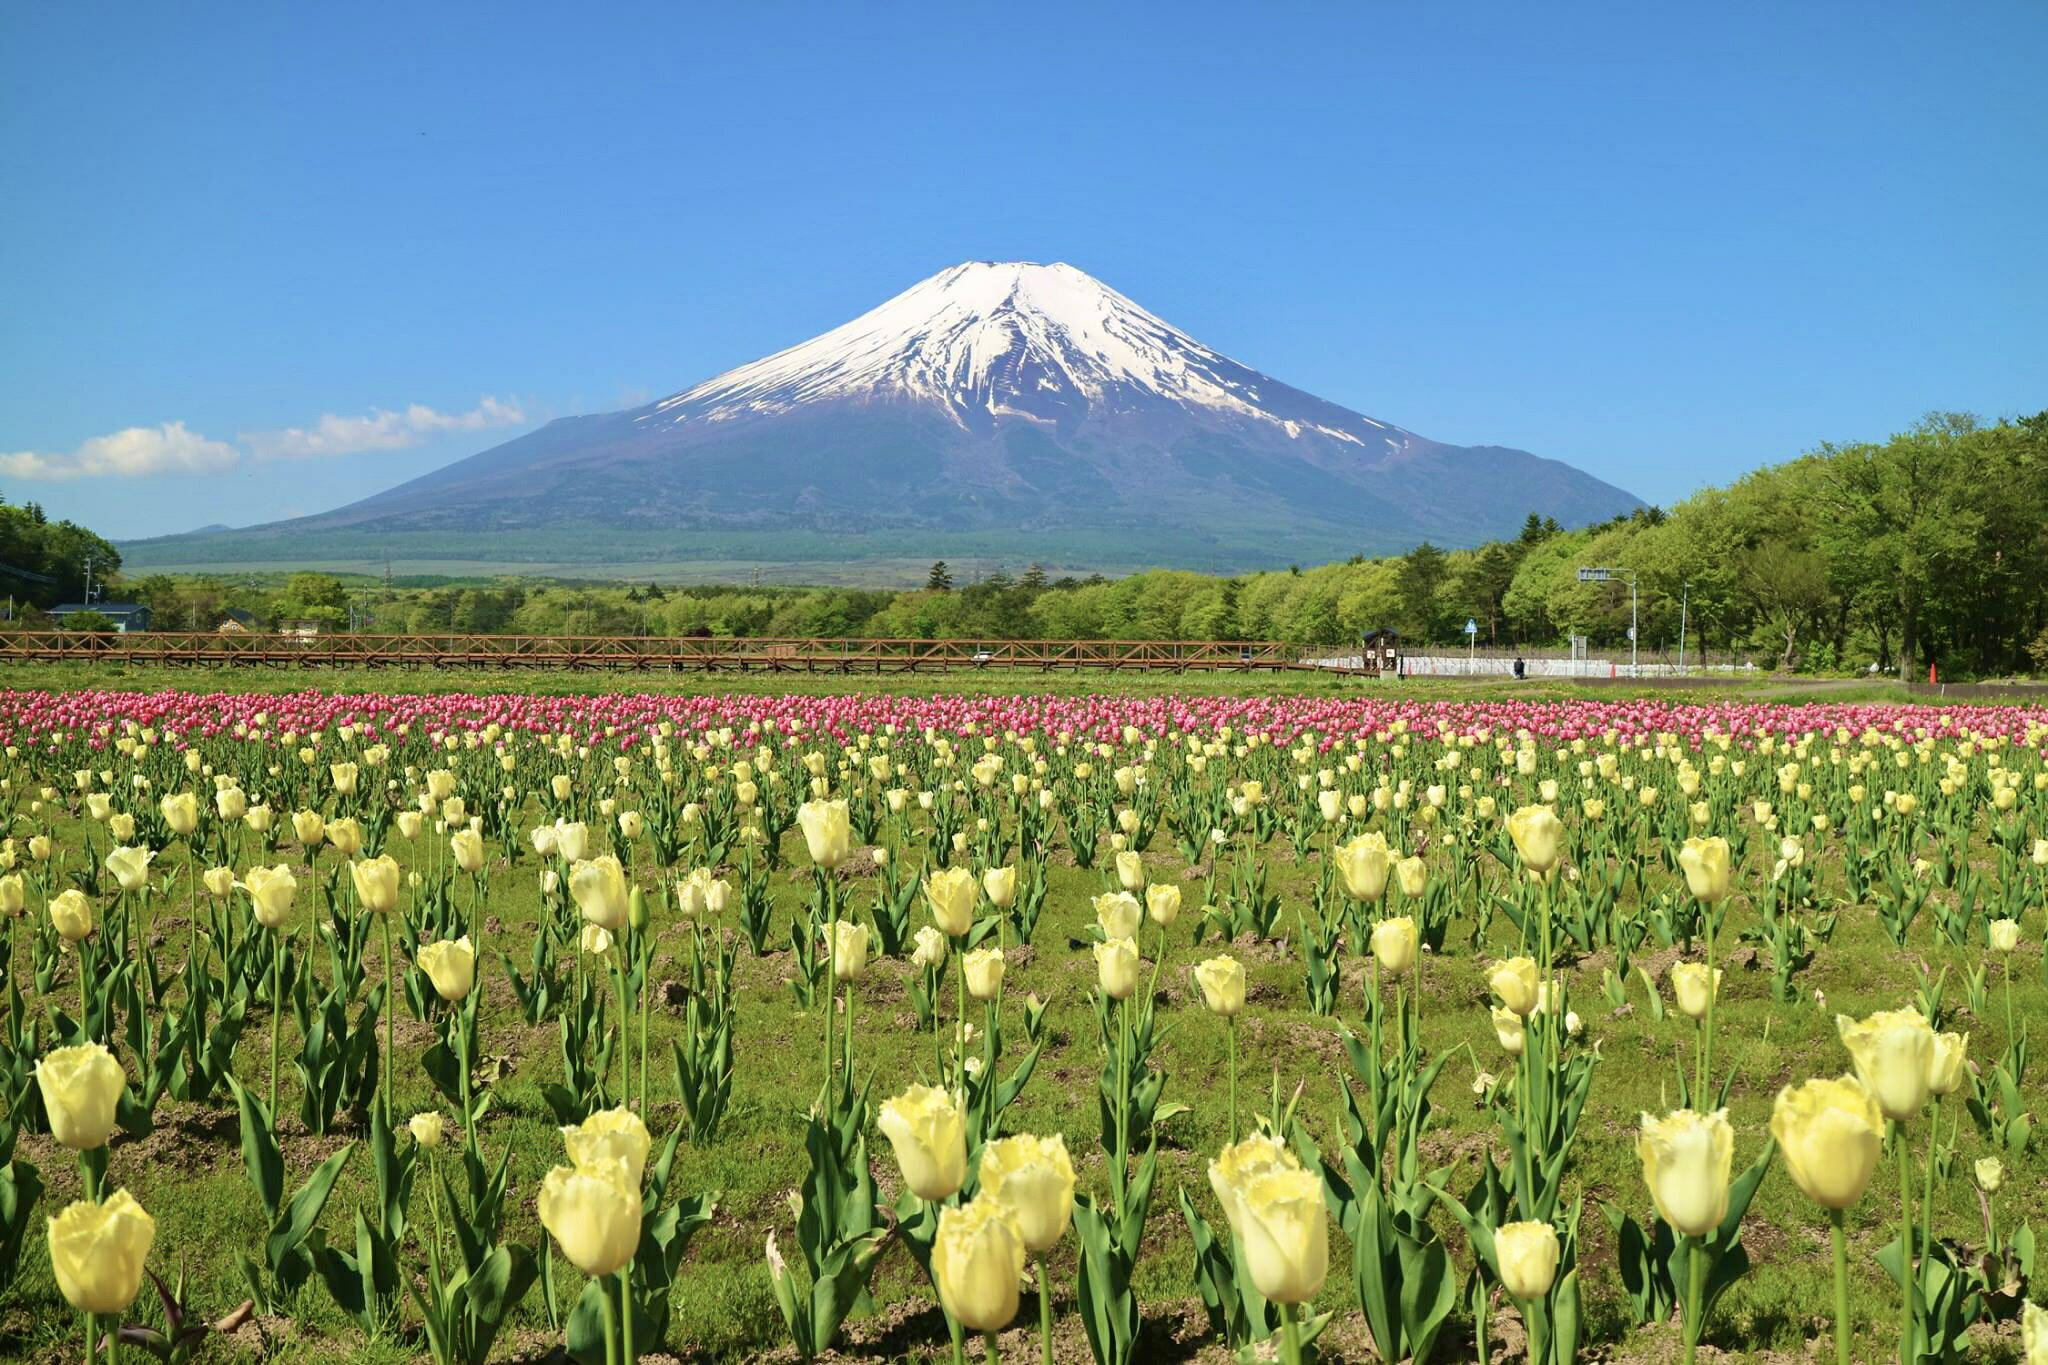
[(190, 1175)]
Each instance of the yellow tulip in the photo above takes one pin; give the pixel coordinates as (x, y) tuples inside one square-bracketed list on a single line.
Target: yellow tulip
[(999, 884), (1705, 864), (949, 893), (2034, 1334), (1518, 984), (1690, 988), (450, 965), (13, 894), (468, 848), (218, 881), (1831, 1134), (346, 836), (71, 914), (1507, 1029), (849, 950), (984, 968), (929, 1136), (98, 1252), (2005, 935), (931, 947), (1528, 1255), (1894, 1054), (1364, 863), (570, 840), (609, 1135), (977, 1260), (1394, 944), (1949, 1064), (1034, 1177), (181, 812), (81, 1088), (1686, 1159), (1119, 914), (1413, 874), (1130, 871), (828, 832), (593, 1214), (1222, 983), (309, 828), (1536, 832), (376, 882), (272, 891), (1162, 903), (130, 867), (1285, 1232), (427, 1129), (598, 886), (1116, 968), (343, 776)]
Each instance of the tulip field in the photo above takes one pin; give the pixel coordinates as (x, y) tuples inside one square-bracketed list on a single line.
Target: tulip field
[(1111, 1028)]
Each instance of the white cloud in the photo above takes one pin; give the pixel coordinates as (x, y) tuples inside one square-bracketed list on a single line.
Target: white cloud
[(133, 453), (172, 449), (381, 430)]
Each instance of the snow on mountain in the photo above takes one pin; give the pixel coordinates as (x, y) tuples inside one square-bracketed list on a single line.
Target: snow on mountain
[(999, 339), (993, 410)]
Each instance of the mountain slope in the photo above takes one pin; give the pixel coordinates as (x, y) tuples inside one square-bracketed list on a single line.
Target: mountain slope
[(987, 403)]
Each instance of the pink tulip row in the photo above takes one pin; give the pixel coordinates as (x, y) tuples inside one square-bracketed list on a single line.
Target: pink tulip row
[(27, 717)]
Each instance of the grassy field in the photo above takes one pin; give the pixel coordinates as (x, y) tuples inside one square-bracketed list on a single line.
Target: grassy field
[(190, 1174), (190, 1171)]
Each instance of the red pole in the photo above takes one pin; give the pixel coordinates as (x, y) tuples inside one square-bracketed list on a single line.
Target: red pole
[(1931, 678)]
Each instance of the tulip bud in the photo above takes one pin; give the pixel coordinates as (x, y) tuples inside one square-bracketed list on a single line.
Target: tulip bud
[(1394, 944), (1528, 1255), (1516, 982), (1831, 1134), (1894, 1053), (984, 968), (928, 1133), (594, 1215), (1034, 1178), (977, 1260), (98, 1250), (1116, 968), (427, 1129), (450, 965), (1691, 988), (1686, 1160), (81, 1088)]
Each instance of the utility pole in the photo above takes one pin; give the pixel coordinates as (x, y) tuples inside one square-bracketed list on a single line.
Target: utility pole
[(1602, 576), (1684, 595)]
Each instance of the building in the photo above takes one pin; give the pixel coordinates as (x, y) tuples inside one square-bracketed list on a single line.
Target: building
[(126, 616), (235, 621)]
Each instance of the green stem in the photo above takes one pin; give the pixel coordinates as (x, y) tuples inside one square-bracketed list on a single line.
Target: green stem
[(390, 1019), (1290, 1335), (1123, 1103), (1909, 1286), (469, 1141), (1483, 1298), (1841, 1287), (1695, 1298), (960, 1007), (625, 1049), (611, 1329), (1705, 1102), (1044, 1312), (1927, 1197), (627, 1355), (91, 1339), (1230, 1028), (276, 1009), (992, 1353), (646, 973)]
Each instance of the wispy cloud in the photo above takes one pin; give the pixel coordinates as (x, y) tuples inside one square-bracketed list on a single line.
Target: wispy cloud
[(133, 453), (138, 452), (333, 434)]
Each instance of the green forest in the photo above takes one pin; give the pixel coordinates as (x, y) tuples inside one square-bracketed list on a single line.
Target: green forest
[(1929, 547)]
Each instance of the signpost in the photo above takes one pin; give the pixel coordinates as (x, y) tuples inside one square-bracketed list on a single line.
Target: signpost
[(1471, 644), (1604, 575)]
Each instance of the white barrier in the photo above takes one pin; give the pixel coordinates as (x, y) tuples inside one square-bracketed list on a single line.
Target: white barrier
[(1484, 666)]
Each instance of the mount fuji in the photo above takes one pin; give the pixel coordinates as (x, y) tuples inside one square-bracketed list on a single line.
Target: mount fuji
[(1008, 410)]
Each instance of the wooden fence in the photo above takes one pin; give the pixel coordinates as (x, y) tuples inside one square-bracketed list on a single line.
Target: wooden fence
[(206, 649)]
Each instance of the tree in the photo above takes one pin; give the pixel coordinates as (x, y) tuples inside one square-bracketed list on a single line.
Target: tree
[(1422, 572), (940, 579), (88, 620)]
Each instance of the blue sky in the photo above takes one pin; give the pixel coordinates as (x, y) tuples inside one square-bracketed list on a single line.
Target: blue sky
[(256, 262)]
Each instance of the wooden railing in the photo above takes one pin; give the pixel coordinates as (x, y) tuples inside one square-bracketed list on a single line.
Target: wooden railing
[(205, 649)]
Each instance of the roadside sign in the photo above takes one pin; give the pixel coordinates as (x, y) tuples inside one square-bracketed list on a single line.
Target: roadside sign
[(1471, 626), (1594, 575)]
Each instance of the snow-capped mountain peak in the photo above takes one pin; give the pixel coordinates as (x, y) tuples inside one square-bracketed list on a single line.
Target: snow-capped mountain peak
[(988, 340)]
